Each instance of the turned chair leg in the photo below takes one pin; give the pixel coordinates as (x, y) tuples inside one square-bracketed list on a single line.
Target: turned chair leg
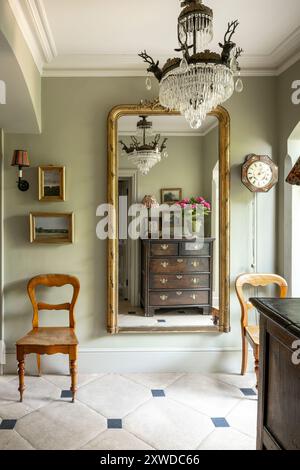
[(38, 362), (21, 372), (244, 355), (73, 372)]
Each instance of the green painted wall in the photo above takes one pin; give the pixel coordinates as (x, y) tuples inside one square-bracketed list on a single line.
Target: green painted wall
[(210, 158), (74, 134)]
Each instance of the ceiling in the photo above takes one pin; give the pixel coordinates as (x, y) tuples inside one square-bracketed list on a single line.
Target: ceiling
[(103, 37), (167, 125)]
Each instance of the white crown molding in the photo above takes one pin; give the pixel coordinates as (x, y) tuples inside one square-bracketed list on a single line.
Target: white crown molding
[(128, 66), (289, 47), (33, 23)]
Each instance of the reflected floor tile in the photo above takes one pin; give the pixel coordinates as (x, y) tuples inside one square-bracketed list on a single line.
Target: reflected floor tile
[(244, 416), (117, 439), (204, 394), (227, 439), (11, 440), (113, 396), (155, 381), (164, 424), (61, 425)]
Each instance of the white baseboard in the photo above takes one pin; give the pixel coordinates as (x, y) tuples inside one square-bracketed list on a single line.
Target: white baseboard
[(137, 361)]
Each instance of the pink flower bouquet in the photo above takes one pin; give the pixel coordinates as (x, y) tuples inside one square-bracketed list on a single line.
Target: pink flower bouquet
[(195, 203)]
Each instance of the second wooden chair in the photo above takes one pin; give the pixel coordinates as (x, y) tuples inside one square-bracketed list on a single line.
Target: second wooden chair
[(250, 333)]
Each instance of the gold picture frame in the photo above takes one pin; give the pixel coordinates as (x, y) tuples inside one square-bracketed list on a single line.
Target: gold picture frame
[(170, 192), (51, 227), (52, 183), (154, 109)]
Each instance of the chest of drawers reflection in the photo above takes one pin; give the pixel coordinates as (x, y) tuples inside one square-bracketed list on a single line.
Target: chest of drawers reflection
[(176, 274)]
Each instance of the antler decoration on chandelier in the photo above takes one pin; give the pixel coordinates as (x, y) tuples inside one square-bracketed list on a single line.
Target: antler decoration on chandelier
[(201, 79)]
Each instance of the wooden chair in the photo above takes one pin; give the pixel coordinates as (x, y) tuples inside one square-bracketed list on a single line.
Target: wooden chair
[(250, 333), (49, 340)]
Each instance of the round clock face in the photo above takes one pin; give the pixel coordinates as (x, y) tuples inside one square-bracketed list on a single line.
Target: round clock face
[(259, 174)]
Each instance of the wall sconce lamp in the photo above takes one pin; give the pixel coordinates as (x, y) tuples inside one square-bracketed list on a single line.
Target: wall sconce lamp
[(294, 176), (20, 159)]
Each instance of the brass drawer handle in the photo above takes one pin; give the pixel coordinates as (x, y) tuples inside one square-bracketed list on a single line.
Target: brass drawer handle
[(163, 280), (164, 264), (195, 280), (179, 277), (193, 296), (163, 297), (179, 293), (164, 247), (180, 261), (195, 264)]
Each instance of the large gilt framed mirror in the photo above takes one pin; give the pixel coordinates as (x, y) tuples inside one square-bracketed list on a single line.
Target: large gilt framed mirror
[(158, 283)]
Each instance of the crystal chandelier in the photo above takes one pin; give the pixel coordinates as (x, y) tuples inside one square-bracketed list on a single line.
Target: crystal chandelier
[(144, 155), (201, 80)]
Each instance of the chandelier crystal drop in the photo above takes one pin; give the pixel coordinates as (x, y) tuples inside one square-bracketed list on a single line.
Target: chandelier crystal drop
[(142, 154), (201, 80)]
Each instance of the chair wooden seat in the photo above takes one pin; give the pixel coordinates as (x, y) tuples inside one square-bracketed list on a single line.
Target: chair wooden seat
[(49, 336), (252, 333), (50, 340)]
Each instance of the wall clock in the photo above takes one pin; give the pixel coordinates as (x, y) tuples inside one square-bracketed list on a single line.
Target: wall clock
[(259, 173)]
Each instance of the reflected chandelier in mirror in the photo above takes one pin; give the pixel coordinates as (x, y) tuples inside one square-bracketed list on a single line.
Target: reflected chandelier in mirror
[(142, 154)]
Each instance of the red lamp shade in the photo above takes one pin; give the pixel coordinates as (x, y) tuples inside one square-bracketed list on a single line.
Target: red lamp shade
[(294, 176), (20, 158)]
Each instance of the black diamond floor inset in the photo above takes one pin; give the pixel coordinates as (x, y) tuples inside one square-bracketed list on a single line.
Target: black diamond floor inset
[(114, 424), (248, 392), (8, 424), (158, 393), (66, 394)]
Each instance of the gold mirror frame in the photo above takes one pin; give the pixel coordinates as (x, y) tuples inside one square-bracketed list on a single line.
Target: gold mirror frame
[(152, 109)]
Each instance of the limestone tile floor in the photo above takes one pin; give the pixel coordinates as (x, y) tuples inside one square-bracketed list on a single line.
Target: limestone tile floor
[(130, 412)]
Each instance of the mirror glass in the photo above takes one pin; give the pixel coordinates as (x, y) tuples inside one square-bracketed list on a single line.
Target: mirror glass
[(166, 282)]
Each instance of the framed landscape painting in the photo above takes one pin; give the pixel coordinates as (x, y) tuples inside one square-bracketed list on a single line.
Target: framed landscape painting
[(171, 195), (52, 183), (46, 227)]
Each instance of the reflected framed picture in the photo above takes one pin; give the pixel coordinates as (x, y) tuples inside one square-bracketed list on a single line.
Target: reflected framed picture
[(48, 227), (171, 195), (52, 183)]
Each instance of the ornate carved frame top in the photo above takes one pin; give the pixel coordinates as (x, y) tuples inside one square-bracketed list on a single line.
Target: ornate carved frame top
[(154, 108)]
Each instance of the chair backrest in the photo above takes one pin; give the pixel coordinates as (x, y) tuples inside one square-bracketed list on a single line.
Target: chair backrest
[(52, 280), (256, 280)]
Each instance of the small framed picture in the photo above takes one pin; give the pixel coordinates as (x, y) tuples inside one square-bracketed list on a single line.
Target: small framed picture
[(48, 227), (171, 195), (52, 183)]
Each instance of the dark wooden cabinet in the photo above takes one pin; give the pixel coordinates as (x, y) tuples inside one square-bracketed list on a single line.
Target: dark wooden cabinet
[(176, 274), (279, 374)]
